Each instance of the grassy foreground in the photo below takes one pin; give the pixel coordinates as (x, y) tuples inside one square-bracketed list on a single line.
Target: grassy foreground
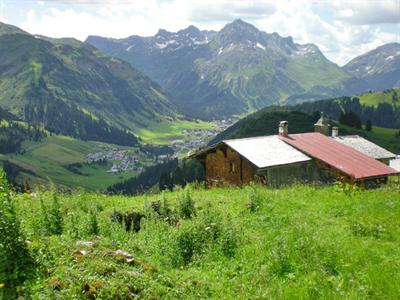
[(296, 243)]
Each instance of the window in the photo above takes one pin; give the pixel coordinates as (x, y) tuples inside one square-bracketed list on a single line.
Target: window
[(232, 167)]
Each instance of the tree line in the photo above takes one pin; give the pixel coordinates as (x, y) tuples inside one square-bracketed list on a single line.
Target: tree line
[(12, 134), (60, 118), (383, 115)]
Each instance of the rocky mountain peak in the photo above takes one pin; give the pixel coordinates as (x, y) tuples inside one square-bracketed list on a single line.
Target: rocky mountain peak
[(191, 31), (238, 31), (163, 33)]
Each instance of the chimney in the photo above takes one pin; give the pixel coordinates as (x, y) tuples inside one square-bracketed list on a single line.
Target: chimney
[(283, 128), (322, 125), (335, 132)]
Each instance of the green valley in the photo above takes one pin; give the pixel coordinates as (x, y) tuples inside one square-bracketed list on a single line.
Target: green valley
[(63, 160)]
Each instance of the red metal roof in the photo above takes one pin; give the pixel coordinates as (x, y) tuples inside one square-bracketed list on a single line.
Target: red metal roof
[(338, 155)]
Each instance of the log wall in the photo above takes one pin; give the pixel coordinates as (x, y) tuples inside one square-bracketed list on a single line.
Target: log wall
[(227, 166)]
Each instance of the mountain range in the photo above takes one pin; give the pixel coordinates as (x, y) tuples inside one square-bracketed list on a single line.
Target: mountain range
[(239, 69), (106, 85)]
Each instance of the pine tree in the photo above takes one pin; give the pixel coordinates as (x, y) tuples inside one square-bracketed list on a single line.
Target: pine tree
[(368, 125)]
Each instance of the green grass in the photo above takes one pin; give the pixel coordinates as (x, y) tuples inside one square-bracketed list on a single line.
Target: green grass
[(375, 98), (48, 158), (299, 242), (165, 132), (322, 73), (384, 132)]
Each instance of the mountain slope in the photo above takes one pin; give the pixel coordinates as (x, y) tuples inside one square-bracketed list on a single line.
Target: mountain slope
[(10, 29), (380, 68), (62, 82), (235, 70)]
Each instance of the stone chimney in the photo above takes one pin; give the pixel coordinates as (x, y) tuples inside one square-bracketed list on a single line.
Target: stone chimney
[(322, 125), (335, 132), (283, 128)]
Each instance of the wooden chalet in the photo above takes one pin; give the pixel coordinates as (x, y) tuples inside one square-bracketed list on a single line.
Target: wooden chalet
[(289, 158)]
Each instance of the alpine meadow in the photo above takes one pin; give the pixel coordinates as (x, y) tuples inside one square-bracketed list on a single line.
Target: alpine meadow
[(199, 149)]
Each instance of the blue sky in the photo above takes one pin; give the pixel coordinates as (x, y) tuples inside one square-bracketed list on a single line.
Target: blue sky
[(341, 29)]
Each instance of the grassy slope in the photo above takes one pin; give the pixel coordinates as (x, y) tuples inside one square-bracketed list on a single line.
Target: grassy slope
[(315, 71), (301, 243), (46, 159), (373, 99)]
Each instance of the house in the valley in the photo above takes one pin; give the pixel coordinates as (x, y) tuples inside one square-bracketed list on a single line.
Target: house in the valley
[(287, 158)]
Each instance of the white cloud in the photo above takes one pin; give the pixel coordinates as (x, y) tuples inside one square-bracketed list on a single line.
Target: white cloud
[(2, 9), (367, 12), (338, 40), (206, 11)]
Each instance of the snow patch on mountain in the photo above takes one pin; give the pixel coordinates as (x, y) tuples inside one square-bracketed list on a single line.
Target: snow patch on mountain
[(165, 44), (260, 46)]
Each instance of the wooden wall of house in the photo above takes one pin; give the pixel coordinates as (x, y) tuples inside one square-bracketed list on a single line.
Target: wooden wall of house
[(277, 176), (227, 166)]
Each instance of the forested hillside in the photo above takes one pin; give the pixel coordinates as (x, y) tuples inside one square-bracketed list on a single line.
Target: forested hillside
[(68, 87), (381, 108), (13, 133)]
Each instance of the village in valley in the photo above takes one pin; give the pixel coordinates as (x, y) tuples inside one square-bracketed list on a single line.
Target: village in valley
[(123, 160), (194, 139)]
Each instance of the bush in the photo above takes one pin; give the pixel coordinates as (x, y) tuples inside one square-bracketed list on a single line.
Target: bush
[(203, 234), (186, 205), (93, 227), (56, 218), (16, 263), (254, 199), (52, 218)]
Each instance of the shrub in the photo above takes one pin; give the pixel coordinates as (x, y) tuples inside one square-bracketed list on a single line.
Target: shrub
[(203, 234), (185, 246), (346, 188), (52, 218), (56, 218), (16, 263), (93, 225), (186, 204), (254, 199)]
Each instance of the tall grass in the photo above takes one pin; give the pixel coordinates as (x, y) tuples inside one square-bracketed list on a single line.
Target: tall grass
[(255, 242)]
